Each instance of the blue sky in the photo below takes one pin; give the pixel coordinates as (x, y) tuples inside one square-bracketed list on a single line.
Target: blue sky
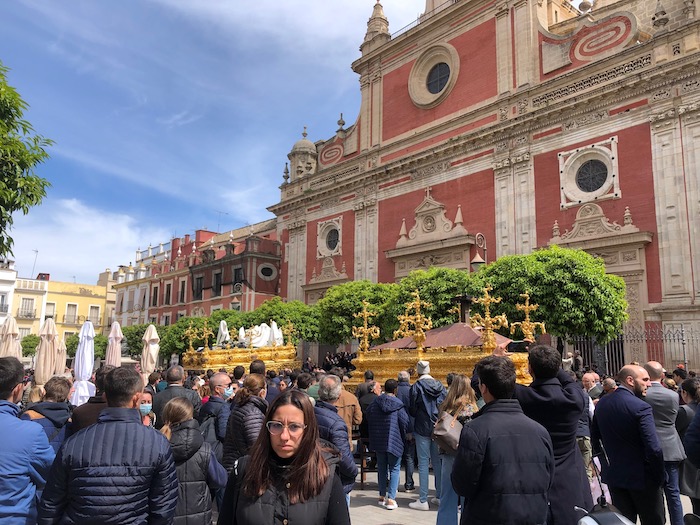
[(167, 112)]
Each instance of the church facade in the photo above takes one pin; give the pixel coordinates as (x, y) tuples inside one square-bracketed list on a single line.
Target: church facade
[(496, 127)]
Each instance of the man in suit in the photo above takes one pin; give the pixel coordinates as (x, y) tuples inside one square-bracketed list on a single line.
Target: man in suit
[(556, 402), (664, 405), (623, 428), (175, 376), (591, 386)]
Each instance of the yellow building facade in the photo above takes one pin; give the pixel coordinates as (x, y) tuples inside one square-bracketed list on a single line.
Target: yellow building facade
[(71, 304)]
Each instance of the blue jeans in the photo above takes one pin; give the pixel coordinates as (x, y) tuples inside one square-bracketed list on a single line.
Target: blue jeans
[(447, 512), (388, 466), (672, 492), (427, 452), (409, 451)]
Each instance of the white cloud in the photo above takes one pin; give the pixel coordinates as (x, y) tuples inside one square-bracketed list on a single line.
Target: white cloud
[(77, 240)]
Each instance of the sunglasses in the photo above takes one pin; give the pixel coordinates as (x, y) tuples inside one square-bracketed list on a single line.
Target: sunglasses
[(276, 428)]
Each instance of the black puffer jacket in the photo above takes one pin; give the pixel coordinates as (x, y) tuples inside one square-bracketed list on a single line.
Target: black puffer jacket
[(192, 456), (244, 425)]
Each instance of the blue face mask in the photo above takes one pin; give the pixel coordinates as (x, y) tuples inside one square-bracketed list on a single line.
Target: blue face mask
[(228, 392), (145, 409)]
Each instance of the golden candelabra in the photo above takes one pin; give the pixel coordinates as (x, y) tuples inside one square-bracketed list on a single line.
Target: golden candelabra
[(418, 320), (249, 333), (527, 326), (365, 332), (288, 331), (190, 334), (487, 322), (206, 333)]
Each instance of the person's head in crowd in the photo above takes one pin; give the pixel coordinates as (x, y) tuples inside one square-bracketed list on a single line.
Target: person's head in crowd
[(153, 378), (679, 375), (690, 390), (290, 436), (146, 403), (176, 411), (635, 378), (496, 378), (100, 375), (304, 381), (238, 373), (253, 385), (588, 381), (460, 394), (404, 376), (544, 362), (319, 375), (655, 370), (449, 378), (369, 375), (391, 386), (11, 379), (175, 375), (257, 367), (329, 388), (609, 385), (123, 388), (670, 384), (220, 385), (423, 368), (692, 373), (57, 389)]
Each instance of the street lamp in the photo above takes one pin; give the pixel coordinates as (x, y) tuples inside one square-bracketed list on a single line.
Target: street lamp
[(477, 262)]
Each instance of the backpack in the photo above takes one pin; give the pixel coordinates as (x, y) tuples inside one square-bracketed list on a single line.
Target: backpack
[(208, 430)]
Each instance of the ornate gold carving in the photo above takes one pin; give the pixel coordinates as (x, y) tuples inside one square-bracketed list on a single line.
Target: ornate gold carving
[(365, 332), (414, 325), (190, 334), (528, 327), (487, 322)]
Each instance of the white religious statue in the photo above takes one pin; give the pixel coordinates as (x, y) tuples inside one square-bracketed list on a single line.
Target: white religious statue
[(261, 335)]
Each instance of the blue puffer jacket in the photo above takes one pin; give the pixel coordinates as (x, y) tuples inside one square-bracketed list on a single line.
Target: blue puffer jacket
[(388, 422), (426, 396), (333, 429), (25, 460), (115, 472)]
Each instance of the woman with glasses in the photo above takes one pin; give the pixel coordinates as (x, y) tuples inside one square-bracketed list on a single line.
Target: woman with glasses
[(246, 420), (288, 478)]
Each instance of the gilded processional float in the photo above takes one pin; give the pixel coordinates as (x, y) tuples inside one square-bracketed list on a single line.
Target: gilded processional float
[(452, 348)]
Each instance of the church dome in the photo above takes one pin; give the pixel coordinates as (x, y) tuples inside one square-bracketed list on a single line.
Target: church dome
[(304, 145)]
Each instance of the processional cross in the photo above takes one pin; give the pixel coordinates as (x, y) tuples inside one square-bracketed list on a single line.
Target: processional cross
[(365, 332), (528, 327), (190, 334), (288, 331), (487, 322), (206, 333), (418, 320)]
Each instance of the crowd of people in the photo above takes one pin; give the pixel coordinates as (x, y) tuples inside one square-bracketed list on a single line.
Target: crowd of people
[(257, 446)]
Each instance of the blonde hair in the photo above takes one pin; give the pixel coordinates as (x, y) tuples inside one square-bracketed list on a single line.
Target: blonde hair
[(459, 396), (36, 394), (176, 411)]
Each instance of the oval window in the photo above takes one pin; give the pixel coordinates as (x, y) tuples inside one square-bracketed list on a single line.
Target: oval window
[(438, 77), (267, 271), (332, 238)]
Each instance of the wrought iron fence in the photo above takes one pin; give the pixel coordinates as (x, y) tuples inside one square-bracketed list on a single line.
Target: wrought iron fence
[(669, 345)]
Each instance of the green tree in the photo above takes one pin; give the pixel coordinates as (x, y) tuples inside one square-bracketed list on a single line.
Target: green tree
[(336, 309), (575, 295), (29, 344), (20, 152), (173, 340), (132, 338), (439, 287)]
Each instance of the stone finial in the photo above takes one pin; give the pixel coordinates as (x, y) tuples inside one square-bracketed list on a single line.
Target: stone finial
[(341, 123), (377, 29), (179, 251), (555, 229), (585, 6), (458, 218), (628, 216), (285, 173), (403, 232)]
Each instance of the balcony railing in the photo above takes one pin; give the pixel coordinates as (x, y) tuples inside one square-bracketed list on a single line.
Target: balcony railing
[(70, 319), (95, 319), (4, 308), (26, 314)]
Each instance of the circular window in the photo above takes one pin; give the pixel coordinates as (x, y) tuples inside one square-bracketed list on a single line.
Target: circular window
[(267, 272), (433, 75), (332, 238), (591, 175), (438, 77)]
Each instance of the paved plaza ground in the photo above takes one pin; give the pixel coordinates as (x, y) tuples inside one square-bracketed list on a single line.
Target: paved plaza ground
[(365, 511)]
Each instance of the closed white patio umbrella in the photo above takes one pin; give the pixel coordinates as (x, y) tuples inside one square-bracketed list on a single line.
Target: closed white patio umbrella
[(114, 348), (83, 365), (9, 339)]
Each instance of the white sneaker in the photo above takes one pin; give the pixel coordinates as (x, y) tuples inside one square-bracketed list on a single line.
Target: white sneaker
[(381, 502), (435, 501), (391, 504), (419, 505)]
